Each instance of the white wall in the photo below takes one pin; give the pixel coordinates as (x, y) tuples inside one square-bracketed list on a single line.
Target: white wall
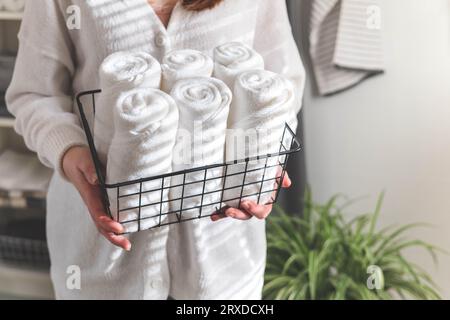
[(392, 132)]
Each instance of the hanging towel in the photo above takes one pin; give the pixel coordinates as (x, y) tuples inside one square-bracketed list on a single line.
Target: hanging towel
[(262, 104), (120, 72), (204, 106), (233, 58), (345, 43), (181, 64), (146, 122)]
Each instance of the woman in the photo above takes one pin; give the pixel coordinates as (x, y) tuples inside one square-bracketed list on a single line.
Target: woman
[(57, 59)]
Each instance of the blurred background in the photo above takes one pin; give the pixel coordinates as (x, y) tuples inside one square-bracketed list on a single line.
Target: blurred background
[(389, 131), (24, 261)]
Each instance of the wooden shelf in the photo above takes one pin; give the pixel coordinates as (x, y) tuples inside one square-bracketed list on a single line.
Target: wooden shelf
[(5, 15), (22, 283), (6, 122)]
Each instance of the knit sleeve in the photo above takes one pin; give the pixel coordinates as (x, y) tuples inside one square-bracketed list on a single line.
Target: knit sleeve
[(40, 94), (275, 41)]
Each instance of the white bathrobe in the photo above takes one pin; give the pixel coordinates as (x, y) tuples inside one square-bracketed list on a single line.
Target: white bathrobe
[(54, 62)]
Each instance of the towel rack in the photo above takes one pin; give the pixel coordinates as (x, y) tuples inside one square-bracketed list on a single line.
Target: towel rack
[(289, 145)]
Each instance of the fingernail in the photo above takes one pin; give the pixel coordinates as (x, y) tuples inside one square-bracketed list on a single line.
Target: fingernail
[(94, 179), (128, 248), (246, 205)]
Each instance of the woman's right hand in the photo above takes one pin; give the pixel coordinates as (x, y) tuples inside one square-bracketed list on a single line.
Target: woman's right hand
[(80, 170)]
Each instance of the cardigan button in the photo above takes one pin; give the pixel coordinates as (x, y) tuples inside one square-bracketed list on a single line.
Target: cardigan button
[(161, 40)]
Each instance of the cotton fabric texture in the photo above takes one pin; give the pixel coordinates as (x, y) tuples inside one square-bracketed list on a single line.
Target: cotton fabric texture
[(204, 105), (346, 46), (54, 63), (120, 72), (233, 58), (262, 104), (182, 64), (146, 122)]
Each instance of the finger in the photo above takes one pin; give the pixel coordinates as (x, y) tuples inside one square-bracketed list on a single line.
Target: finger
[(237, 214), (88, 170), (259, 211), (91, 196), (287, 182), (87, 191), (218, 216), (119, 241), (110, 225)]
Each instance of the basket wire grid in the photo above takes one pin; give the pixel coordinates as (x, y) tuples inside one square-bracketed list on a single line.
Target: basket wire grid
[(267, 186), (22, 239), (24, 252)]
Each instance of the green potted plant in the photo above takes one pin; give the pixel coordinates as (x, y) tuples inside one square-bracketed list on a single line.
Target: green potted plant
[(320, 255)]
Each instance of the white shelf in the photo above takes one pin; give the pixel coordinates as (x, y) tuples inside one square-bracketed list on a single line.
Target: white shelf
[(5, 15), (6, 122), (23, 283)]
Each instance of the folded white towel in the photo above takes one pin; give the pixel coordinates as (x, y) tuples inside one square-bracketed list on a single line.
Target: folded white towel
[(120, 72), (182, 64), (233, 58), (13, 5), (146, 122), (262, 104), (204, 105), (23, 172)]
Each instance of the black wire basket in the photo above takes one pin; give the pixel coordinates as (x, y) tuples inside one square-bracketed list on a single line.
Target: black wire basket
[(22, 239), (201, 191)]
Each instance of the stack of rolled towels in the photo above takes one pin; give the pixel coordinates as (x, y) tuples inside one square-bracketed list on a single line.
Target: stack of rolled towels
[(190, 111)]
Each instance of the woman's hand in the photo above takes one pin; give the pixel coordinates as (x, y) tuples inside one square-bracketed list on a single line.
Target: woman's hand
[(80, 170), (249, 209)]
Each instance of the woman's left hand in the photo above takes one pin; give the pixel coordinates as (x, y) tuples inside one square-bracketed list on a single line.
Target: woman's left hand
[(249, 209)]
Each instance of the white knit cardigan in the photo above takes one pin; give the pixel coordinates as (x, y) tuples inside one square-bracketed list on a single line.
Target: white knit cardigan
[(222, 260)]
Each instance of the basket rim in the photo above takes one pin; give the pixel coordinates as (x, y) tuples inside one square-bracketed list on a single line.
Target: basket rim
[(296, 146)]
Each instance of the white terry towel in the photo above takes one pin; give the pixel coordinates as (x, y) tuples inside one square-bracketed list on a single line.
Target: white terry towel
[(182, 64), (120, 72), (204, 105), (13, 5), (146, 122), (233, 58), (262, 104)]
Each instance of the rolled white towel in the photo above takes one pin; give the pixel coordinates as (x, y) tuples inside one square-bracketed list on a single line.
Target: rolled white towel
[(120, 72), (146, 122), (182, 64), (13, 5), (262, 104), (233, 58), (204, 105)]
